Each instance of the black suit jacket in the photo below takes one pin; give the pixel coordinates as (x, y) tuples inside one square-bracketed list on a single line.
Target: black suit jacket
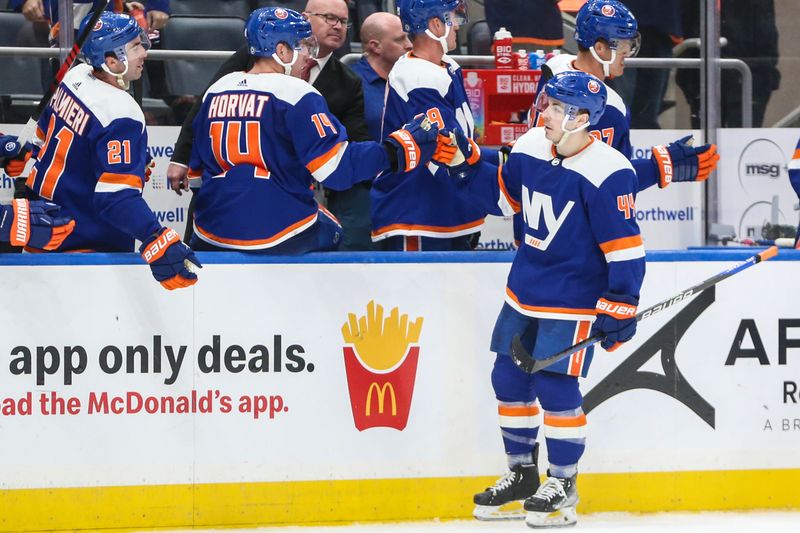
[(338, 84)]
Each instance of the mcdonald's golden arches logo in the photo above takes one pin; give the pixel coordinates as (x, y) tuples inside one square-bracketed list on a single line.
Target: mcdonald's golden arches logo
[(380, 358)]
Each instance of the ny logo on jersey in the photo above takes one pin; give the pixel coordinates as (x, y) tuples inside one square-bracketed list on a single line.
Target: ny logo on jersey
[(533, 207)]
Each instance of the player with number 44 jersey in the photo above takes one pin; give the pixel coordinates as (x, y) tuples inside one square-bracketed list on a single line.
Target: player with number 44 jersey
[(578, 272), (263, 136)]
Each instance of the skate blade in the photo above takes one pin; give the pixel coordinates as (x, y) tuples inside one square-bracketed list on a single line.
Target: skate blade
[(565, 517), (510, 511)]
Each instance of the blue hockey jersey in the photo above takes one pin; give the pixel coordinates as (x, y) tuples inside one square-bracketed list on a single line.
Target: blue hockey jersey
[(581, 238), (614, 127), (423, 202), (259, 141), (92, 163)]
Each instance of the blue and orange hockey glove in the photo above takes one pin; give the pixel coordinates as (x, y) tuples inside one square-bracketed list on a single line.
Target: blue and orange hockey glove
[(149, 166), (455, 149), (412, 145), (13, 157), (616, 320), (170, 259), (34, 223), (680, 161)]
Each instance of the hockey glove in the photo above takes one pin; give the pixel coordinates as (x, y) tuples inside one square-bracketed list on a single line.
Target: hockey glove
[(680, 161), (34, 223), (149, 166), (412, 145), (170, 259), (13, 157), (616, 320), (455, 149)]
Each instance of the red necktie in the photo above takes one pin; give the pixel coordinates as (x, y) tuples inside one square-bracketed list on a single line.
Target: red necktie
[(305, 72)]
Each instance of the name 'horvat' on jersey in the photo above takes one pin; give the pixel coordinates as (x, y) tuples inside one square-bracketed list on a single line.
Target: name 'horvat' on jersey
[(237, 105), (69, 110)]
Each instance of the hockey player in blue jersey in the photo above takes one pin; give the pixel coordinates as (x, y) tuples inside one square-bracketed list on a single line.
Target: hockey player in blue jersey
[(420, 211), (794, 179), (578, 272), (607, 33), (262, 137), (94, 155)]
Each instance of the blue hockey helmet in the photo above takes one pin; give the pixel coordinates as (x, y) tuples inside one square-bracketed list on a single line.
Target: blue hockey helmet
[(415, 14), (578, 91), (609, 20), (110, 34), (268, 26)]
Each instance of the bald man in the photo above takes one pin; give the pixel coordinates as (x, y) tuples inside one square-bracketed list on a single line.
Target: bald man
[(340, 87), (384, 42)]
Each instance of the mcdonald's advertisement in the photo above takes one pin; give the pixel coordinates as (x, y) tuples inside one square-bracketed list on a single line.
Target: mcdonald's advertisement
[(334, 371)]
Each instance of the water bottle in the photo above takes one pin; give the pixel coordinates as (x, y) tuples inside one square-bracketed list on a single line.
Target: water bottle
[(503, 50), (522, 60)]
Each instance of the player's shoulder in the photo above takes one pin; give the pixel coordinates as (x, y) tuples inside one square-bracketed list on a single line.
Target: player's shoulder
[(410, 73), (105, 102), (286, 88), (533, 143), (615, 101), (598, 162), (560, 63)]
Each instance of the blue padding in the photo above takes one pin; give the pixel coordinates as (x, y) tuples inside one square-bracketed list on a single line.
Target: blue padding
[(224, 258)]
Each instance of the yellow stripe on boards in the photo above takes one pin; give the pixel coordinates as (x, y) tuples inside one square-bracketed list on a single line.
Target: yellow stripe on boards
[(331, 502)]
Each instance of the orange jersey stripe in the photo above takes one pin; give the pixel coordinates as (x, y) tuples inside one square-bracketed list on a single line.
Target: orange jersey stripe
[(513, 203), (255, 242), (121, 179), (419, 227), (576, 359), (796, 154), (518, 410), (320, 161), (565, 421), (540, 309), (621, 244)]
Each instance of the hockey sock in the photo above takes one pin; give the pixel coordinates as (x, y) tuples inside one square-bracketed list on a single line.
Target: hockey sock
[(519, 426), (519, 414), (564, 421)]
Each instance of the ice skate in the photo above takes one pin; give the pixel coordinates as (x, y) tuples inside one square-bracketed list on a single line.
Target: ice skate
[(553, 505), (504, 500)]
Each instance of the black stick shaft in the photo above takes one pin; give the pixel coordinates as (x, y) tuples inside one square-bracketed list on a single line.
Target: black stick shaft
[(524, 360)]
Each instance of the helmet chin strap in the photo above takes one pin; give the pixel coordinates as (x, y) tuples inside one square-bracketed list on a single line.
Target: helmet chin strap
[(119, 77), (565, 133), (606, 64), (287, 67), (442, 40)]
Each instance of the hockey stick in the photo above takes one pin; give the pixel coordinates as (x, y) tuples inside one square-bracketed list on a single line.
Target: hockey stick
[(530, 365), (780, 242), (29, 130)]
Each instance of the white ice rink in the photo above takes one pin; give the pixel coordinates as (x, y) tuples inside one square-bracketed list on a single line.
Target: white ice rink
[(747, 522)]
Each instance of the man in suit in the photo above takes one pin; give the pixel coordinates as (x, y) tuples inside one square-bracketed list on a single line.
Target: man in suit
[(342, 91)]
